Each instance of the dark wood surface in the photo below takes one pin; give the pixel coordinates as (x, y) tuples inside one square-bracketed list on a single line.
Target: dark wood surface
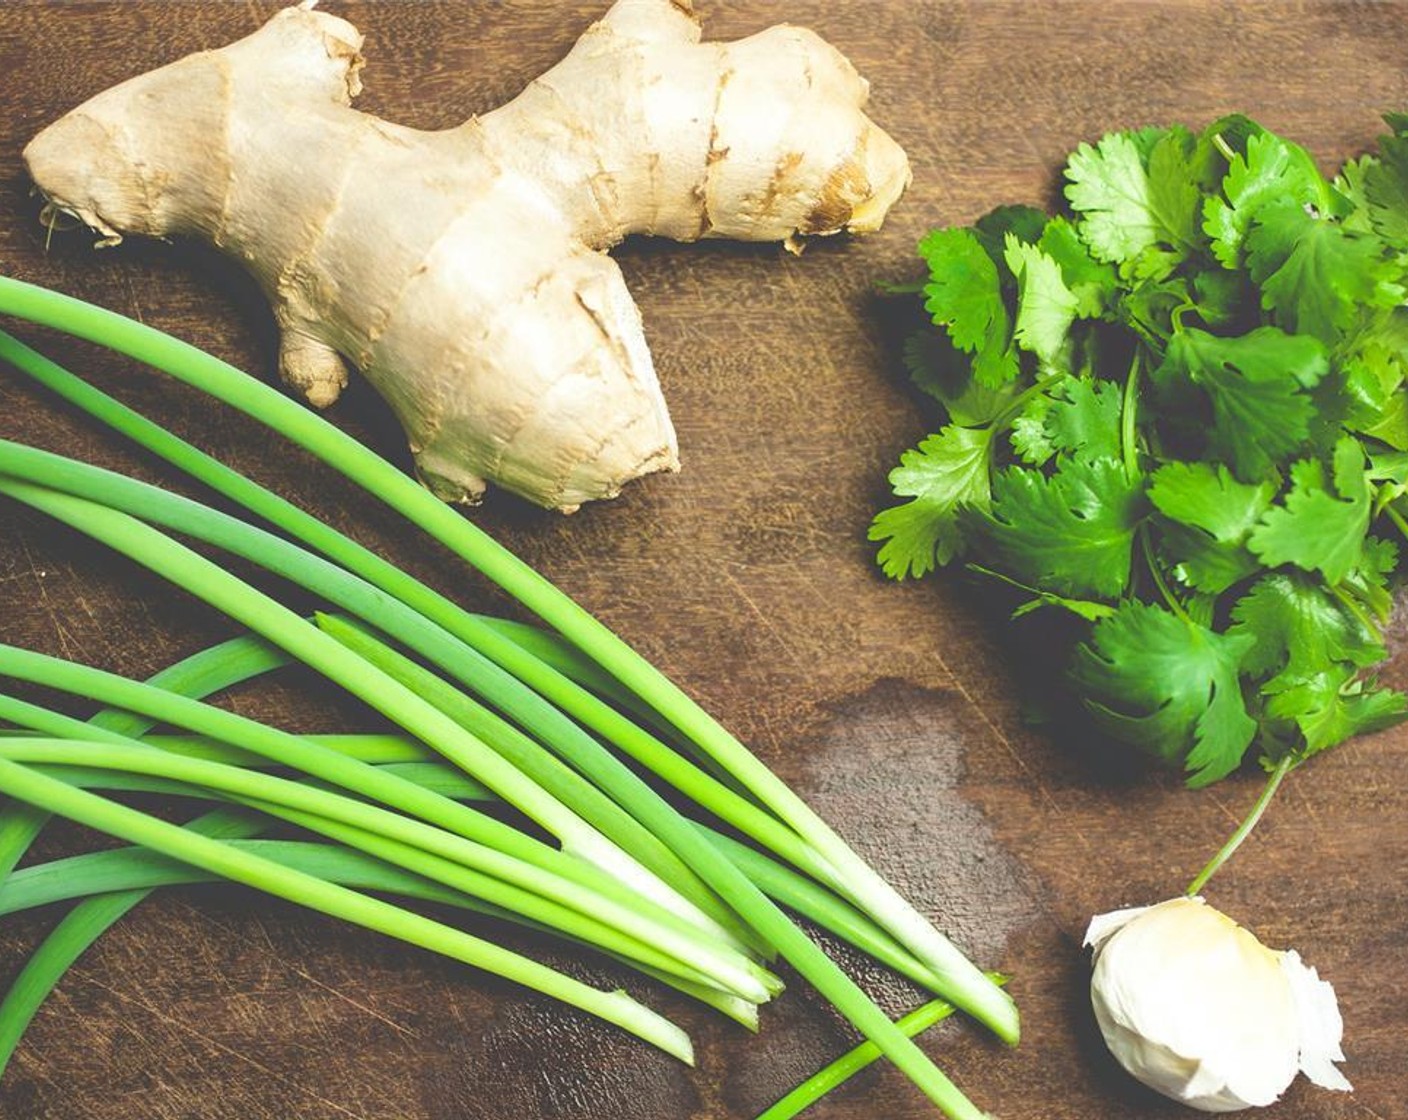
[(747, 578)]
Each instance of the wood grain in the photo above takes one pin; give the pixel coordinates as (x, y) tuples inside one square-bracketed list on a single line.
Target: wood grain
[(747, 578)]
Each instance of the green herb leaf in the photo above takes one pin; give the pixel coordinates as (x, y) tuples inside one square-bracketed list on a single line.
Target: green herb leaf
[(1331, 706), (1316, 276), (941, 371), (964, 294), (943, 474), (1266, 174), (1214, 513), (1255, 385), (1110, 188), (1298, 629), (1071, 531), (1315, 527), (1169, 686), (1092, 282), (1045, 306)]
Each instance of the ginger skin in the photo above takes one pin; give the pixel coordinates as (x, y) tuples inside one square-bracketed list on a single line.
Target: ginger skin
[(464, 272)]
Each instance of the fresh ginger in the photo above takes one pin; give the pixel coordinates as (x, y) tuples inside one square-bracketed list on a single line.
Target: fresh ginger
[(464, 272)]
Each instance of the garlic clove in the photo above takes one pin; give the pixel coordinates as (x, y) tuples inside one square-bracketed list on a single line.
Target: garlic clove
[(1197, 1008)]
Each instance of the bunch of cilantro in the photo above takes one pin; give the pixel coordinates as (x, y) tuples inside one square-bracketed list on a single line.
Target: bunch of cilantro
[(1177, 413)]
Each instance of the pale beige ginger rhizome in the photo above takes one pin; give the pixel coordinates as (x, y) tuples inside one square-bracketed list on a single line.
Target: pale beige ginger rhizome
[(464, 271)]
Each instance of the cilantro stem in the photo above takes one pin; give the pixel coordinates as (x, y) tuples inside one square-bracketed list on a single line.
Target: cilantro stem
[(1014, 409), (1129, 451), (1273, 783), (1146, 547), (1129, 448)]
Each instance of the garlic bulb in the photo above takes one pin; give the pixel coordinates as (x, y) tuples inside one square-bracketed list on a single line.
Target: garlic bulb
[(1197, 1008)]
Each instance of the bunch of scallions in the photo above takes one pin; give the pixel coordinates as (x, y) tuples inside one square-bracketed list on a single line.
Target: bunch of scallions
[(542, 720)]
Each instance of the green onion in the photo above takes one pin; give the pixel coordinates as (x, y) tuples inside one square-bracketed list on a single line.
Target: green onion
[(78, 929), (507, 851), (851, 1063), (328, 898), (279, 624), (208, 671), (850, 874), (149, 503), (973, 991), (275, 553), (446, 857)]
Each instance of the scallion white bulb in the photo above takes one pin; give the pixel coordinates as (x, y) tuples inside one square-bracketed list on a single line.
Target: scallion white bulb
[(1197, 1008)]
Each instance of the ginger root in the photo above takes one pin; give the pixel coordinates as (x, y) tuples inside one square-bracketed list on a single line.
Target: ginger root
[(464, 272)]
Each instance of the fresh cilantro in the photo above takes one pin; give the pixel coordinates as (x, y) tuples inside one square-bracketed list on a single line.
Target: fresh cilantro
[(1298, 629), (1149, 676), (1383, 187), (1320, 524), (1316, 277), (1045, 306), (1255, 388), (940, 371), (1266, 173), (1178, 414), (1109, 187), (1070, 531), (1330, 706), (1078, 417), (943, 474), (1211, 515), (1092, 282)]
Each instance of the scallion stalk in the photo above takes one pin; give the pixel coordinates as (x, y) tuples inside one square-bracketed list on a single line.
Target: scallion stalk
[(864, 886), (318, 894)]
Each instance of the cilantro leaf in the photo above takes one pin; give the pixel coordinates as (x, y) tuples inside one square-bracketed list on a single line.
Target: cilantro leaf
[(1079, 417), (1110, 187), (1350, 185), (1025, 223), (1084, 419), (1376, 407), (1213, 515), (1368, 581), (1298, 629), (1316, 276), (1255, 385), (943, 474), (1030, 439), (1265, 174), (964, 294), (1207, 497), (939, 370), (1169, 686), (1385, 189), (1070, 532), (1314, 527), (1092, 282), (1333, 705), (1177, 164), (1133, 202), (1045, 306)]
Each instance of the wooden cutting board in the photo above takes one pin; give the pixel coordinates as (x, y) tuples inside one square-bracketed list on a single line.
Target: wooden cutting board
[(747, 578)]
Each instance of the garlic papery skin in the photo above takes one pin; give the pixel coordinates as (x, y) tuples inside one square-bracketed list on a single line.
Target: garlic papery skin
[(1198, 1009)]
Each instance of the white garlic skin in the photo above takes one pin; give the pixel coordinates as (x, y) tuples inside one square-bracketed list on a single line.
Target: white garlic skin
[(1198, 1009)]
